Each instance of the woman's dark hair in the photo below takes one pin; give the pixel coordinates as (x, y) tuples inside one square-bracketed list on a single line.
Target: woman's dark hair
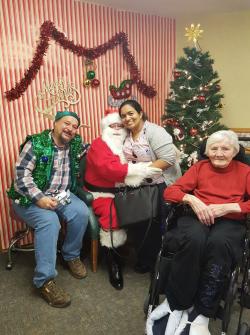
[(136, 106)]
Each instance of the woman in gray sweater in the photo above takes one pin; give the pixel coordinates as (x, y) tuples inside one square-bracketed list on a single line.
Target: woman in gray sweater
[(148, 142)]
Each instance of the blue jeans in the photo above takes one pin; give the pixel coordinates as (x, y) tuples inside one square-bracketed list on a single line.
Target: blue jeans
[(46, 227)]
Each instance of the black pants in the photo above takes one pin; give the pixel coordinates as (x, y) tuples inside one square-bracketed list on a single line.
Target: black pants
[(204, 258)]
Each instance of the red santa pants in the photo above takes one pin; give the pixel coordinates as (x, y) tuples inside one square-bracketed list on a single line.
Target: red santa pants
[(101, 207)]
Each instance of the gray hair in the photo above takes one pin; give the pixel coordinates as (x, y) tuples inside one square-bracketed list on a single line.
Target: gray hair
[(222, 135)]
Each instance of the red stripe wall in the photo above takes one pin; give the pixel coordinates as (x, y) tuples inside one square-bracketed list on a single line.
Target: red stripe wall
[(152, 42)]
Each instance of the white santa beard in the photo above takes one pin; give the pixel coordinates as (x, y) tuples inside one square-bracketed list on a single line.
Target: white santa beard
[(114, 138)]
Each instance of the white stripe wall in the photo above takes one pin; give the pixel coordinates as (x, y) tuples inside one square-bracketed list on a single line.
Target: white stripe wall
[(152, 42)]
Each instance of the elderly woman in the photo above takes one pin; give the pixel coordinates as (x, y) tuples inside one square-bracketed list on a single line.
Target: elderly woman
[(148, 142), (209, 236)]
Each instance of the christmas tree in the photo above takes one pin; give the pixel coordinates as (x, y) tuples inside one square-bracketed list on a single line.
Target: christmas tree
[(192, 110)]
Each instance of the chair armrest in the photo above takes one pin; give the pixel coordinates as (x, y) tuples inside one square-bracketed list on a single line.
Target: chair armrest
[(93, 225), (85, 196)]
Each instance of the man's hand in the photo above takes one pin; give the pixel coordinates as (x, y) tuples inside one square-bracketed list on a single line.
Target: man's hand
[(47, 203), (203, 212)]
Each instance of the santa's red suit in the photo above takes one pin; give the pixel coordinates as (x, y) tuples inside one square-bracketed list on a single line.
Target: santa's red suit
[(106, 167)]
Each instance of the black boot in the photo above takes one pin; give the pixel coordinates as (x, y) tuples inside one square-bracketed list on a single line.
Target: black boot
[(114, 268)]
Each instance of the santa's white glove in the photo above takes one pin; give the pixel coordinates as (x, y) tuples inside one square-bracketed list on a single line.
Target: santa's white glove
[(138, 172)]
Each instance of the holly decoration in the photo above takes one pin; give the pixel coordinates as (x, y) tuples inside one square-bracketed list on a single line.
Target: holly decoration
[(123, 91)]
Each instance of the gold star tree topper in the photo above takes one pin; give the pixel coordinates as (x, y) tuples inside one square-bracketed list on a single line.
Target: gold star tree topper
[(194, 32)]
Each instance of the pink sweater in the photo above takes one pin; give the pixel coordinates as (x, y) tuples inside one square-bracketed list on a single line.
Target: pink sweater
[(215, 186)]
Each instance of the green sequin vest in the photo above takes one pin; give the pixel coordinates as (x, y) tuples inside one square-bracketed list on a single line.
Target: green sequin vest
[(43, 150)]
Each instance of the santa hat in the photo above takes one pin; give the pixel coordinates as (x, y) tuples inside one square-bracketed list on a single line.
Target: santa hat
[(110, 116)]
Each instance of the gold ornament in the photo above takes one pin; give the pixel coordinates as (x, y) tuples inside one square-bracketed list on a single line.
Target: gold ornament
[(194, 32), (86, 83)]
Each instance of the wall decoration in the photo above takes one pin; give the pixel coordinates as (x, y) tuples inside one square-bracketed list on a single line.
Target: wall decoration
[(90, 79), (48, 30), (123, 91), (112, 102), (59, 91)]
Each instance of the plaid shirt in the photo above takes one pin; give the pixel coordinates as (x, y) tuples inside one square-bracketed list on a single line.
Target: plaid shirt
[(60, 174)]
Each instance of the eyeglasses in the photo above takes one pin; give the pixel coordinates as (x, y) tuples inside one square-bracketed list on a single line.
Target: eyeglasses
[(116, 125)]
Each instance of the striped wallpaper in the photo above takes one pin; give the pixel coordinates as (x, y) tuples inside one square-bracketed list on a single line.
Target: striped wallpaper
[(151, 41)]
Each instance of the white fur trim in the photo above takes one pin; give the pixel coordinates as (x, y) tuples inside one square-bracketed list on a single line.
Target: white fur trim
[(134, 180), (119, 238), (109, 119), (97, 195), (136, 174)]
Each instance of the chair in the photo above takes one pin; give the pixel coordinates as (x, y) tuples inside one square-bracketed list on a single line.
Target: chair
[(93, 226)]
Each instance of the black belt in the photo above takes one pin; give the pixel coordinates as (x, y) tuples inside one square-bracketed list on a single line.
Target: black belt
[(94, 188), (114, 190)]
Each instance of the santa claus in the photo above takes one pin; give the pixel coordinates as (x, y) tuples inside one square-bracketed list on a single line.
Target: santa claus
[(106, 170)]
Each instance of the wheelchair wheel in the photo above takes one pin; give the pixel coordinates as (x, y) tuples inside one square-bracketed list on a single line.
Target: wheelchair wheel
[(244, 329)]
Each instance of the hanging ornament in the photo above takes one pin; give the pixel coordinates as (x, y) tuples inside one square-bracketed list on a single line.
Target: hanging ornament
[(218, 87), (90, 79), (86, 83), (123, 91), (177, 74), (193, 131), (178, 133), (95, 82), (201, 98), (91, 75), (193, 158)]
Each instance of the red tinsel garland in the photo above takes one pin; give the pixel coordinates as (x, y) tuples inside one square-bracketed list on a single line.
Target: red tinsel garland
[(48, 31)]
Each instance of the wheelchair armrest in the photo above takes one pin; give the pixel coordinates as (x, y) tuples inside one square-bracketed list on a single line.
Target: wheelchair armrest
[(85, 196)]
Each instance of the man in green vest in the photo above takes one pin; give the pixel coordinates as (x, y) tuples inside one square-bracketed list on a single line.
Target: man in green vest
[(42, 193)]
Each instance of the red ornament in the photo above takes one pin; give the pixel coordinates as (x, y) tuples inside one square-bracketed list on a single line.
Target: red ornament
[(177, 74), (193, 131), (201, 98), (95, 82)]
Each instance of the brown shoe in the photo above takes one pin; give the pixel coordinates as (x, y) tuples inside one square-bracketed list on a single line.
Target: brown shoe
[(77, 268), (54, 295)]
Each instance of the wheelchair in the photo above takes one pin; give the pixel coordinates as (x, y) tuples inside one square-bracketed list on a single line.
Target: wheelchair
[(238, 286)]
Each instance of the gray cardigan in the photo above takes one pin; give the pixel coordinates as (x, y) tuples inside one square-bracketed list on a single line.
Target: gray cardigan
[(161, 146)]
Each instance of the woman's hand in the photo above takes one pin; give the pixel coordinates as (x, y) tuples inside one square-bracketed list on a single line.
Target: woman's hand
[(203, 212), (159, 163), (223, 209)]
